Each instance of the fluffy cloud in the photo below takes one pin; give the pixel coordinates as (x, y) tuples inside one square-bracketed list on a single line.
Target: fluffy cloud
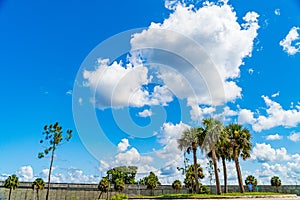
[(224, 40), (70, 175), (132, 157), (274, 137), (128, 157), (246, 116), (275, 116), (117, 85), (145, 113), (25, 173), (265, 153), (291, 43), (123, 145), (295, 137), (208, 58)]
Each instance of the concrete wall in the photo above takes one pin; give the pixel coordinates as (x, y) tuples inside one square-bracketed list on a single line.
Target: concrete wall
[(65, 191)]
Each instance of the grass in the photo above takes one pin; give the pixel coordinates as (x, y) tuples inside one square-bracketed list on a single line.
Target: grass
[(192, 196)]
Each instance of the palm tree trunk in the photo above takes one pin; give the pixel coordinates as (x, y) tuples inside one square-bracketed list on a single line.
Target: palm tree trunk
[(214, 158), (37, 194), (9, 194), (239, 173), (100, 195), (194, 147), (49, 175), (225, 175)]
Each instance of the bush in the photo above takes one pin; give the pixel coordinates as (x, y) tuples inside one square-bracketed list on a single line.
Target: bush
[(204, 189), (119, 197)]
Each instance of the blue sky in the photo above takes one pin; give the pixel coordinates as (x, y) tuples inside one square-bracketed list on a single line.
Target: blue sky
[(175, 63)]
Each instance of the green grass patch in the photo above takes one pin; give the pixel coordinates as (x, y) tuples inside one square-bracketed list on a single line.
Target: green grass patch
[(183, 196)]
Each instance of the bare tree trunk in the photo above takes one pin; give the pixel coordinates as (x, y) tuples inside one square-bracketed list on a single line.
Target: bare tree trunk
[(225, 175), (194, 147), (239, 173), (100, 195), (37, 194), (214, 158), (9, 194), (49, 175)]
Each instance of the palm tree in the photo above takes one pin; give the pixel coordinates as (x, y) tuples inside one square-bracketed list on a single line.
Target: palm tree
[(251, 180), (275, 181), (12, 183), (176, 185), (38, 184), (240, 142), (224, 152), (103, 186), (213, 129), (187, 142)]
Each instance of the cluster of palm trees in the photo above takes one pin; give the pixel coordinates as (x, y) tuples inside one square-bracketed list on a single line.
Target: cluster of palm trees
[(218, 142), (12, 183)]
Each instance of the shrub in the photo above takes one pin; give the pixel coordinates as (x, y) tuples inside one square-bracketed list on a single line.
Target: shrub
[(119, 197)]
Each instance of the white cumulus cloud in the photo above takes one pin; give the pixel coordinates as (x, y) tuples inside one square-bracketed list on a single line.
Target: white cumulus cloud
[(25, 173), (274, 137), (291, 43), (295, 137), (145, 113), (275, 116), (123, 145), (265, 153)]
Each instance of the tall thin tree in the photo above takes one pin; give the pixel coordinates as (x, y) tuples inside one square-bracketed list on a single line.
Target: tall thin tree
[(224, 152), (189, 142), (213, 128), (54, 135), (240, 141)]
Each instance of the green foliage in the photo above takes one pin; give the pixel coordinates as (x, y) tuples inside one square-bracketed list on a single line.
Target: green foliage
[(150, 181), (103, 185), (251, 179), (276, 182), (126, 173), (38, 184), (188, 142), (240, 142), (119, 197), (12, 182), (119, 185), (176, 185), (190, 180), (210, 169), (54, 135), (204, 189)]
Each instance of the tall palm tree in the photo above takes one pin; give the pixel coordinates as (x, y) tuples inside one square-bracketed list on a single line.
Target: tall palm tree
[(12, 183), (240, 141), (224, 152), (187, 143), (38, 184), (213, 129)]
